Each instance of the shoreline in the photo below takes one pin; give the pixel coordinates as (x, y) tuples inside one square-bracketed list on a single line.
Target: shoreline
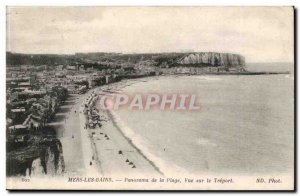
[(121, 150), (130, 140), (94, 141)]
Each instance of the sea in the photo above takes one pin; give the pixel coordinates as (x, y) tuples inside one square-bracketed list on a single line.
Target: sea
[(245, 125)]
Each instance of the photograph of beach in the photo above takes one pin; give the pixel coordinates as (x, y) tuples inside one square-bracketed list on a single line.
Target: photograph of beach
[(150, 98)]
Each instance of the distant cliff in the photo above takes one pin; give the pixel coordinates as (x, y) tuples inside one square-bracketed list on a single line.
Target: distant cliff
[(213, 59), (197, 59)]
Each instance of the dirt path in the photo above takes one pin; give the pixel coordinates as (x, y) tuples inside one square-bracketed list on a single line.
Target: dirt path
[(69, 131), (70, 138)]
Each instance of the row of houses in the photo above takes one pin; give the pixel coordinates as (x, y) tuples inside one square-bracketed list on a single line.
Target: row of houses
[(31, 110)]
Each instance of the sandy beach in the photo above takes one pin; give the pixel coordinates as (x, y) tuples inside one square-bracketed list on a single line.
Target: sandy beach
[(107, 151)]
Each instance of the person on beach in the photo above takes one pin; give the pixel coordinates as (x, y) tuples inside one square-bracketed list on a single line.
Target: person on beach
[(98, 123), (86, 121), (85, 110), (91, 123)]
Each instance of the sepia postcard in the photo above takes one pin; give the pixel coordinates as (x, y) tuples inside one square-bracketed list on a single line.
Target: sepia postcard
[(150, 98)]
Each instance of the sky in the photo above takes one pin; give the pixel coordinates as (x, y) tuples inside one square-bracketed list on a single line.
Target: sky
[(261, 34)]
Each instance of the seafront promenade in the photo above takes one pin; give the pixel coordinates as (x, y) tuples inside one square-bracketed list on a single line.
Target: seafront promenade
[(104, 150)]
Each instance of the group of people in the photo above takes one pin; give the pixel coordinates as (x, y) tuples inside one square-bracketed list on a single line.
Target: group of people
[(92, 118)]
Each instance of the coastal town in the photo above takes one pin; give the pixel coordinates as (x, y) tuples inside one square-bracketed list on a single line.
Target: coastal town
[(35, 94), (37, 87)]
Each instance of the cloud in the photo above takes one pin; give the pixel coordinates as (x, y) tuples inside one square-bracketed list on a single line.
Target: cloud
[(258, 33)]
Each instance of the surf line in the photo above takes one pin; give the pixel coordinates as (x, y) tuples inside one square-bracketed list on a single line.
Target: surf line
[(118, 123)]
